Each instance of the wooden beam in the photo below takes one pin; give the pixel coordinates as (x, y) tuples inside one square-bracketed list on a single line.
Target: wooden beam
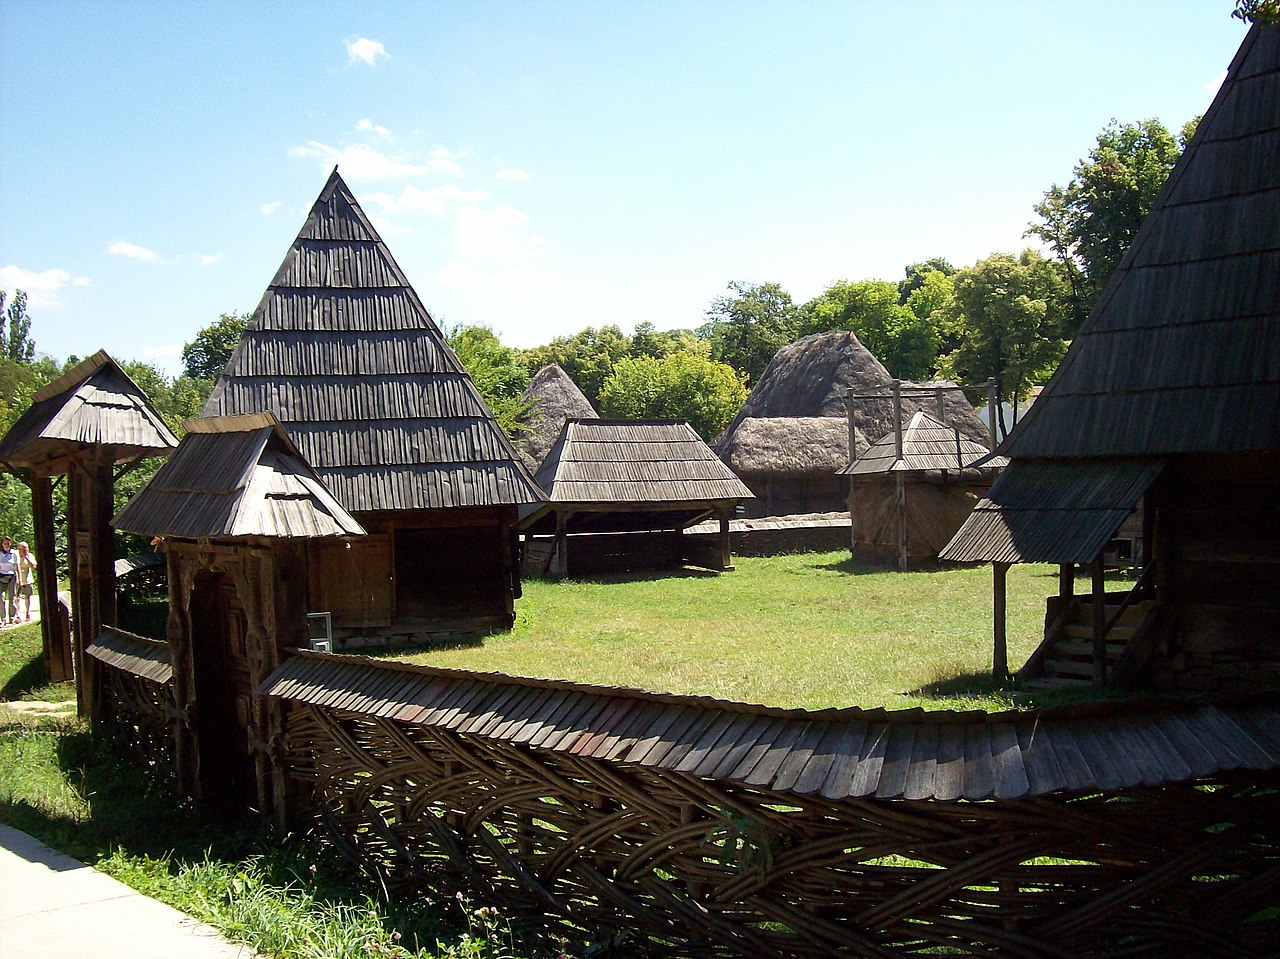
[(77, 560), (726, 550), (1000, 657), (991, 410), (1099, 624), (562, 544), (58, 658), (1067, 581)]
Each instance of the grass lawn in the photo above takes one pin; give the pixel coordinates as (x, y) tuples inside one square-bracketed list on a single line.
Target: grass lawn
[(811, 630)]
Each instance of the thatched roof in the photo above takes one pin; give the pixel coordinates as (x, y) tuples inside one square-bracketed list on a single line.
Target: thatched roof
[(234, 477), (95, 403), (638, 467), (807, 380), (927, 446), (343, 352), (1181, 354), (552, 399)]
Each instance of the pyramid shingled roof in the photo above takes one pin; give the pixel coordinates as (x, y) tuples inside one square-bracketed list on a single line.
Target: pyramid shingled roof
[(1182, 352), (926, 445), (95, 403), (344, 354)]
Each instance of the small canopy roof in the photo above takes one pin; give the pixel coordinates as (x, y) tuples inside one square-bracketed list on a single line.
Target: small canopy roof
[(631, 475), (927, 445), (95, 403), (236, 476)]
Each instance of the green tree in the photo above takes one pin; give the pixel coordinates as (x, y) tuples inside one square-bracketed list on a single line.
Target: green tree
[(588, 357), (1008, 312), (18, 345), (745, 329), (916, 273), (906, 343), (681, 385), (1089, 224), (495, 370), (649, 341), (205, 356)]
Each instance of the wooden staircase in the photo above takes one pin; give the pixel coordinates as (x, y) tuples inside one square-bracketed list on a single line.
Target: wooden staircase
[(1066, 657)]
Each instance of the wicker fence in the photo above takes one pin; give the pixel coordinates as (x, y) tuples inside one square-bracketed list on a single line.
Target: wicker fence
[(445, 782)]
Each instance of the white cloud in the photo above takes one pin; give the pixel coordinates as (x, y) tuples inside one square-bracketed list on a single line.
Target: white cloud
[(512, 175), (361, 162), (364, 50), (43, 289), (268, 208), (492, 234), (168, 351), (366, 125), (1215, 81), (444, 160), (208, 259), (132, 250), (437, 201)]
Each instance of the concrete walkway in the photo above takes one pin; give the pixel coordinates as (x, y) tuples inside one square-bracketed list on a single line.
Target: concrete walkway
[(52, 905)]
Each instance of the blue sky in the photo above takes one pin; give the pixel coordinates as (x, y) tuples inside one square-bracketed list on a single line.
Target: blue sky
[(541, 167)]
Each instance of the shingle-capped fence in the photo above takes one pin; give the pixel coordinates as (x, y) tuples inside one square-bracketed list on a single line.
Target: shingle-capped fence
[(687, 825)]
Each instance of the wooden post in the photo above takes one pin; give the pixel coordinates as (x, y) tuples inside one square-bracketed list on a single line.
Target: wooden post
[(991, 410), (1000, 658), (1099, 625), (58, 659), (897, 419), (1067, 581), (180, 652), (851, 415), (726, 551), (940, 403), (81, 601), (562, 544), (1148, 530), (900, 494), (102, 544)]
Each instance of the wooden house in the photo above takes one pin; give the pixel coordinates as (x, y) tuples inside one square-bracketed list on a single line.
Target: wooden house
[(344, 354), (1169, 394), (86, 424), (620, 493), (551, 400), (911, 491), (793, 434), (238, 507)]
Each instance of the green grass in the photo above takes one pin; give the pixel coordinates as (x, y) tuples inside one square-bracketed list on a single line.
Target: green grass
[(810, 630), (22, 670)]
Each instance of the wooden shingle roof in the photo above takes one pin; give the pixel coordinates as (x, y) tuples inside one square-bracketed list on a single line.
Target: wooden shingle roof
[(835, 753), (143, 657), (95, 403), (1182, 352), (234, 477), (345, 355), (927, 445)]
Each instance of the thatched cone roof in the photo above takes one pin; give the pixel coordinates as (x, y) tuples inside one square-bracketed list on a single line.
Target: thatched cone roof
[(552, 399), (795, 421)]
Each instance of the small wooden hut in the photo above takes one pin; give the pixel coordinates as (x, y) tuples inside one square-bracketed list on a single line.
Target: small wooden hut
[(911, 491), (343, 352), (1169, 395), (551, 400), (792, 436), (85, 425), (238, 506), (620, 493)]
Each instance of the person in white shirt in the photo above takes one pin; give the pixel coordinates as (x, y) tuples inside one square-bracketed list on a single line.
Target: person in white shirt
[(26, 583), (8, 581)]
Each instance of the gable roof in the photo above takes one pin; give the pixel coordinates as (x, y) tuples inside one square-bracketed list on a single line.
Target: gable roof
[(345, 355), (233, 477), (1182, 351), (551, 399), (95, 403), (926, 445)]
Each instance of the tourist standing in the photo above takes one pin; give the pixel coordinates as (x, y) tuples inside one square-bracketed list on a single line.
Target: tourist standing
[(26, 581), (8, 581)]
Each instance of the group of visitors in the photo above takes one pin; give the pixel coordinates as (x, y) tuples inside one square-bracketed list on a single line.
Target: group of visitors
[(17, 579)]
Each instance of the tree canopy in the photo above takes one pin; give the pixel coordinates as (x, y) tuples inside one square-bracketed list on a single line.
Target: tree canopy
[(745, 329), (205, 356), (495, 370), (680, 385), (588, 357), (906, 343)]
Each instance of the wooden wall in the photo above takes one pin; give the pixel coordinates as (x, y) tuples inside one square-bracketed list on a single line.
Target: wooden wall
[(934, 511), (787, 495), (1218, 548)]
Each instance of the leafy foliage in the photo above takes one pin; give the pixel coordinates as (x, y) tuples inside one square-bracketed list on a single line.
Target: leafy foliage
[(745, 329), (905, 342), (1265, 13), (495, 370), (683, 386), (588, 357), (18, 346), (205, 356)]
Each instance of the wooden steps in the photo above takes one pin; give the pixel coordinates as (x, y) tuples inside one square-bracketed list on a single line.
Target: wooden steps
[(1067, 655)]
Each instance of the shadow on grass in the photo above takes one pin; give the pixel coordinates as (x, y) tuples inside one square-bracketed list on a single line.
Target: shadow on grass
[(984, 686), (28, 678), (636, 576)]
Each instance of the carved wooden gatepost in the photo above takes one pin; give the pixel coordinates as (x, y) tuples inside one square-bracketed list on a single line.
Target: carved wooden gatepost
[(235, 504), (84, 425)]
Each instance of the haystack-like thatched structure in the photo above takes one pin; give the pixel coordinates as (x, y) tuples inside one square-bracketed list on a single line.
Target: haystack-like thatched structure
[(911, 491), (793, 433), (552, 399), (1170, 391), (641, 482), (344, 354)]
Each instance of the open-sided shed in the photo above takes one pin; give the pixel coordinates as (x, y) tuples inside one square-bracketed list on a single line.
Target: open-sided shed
[(83, 425), (1170, 391), (343, 352), (647, 478)]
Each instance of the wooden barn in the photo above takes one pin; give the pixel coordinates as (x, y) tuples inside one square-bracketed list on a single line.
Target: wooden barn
[(1170, 395), (911, 491), (344, 354), (551, 400), (621, 492), (87, 424), (792, 436), (238, 507)]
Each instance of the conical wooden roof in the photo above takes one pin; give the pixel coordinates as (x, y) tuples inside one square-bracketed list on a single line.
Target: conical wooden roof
[(926, 445), (1182, 351), (344, 354)]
